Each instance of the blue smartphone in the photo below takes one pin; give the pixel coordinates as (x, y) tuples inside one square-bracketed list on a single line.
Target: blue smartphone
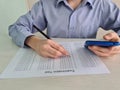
[(101, 43)]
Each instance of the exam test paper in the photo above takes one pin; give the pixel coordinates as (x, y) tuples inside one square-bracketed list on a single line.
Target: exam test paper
[(27, 63)]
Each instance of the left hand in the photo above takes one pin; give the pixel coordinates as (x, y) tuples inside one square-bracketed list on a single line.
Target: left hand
[(110, 51)]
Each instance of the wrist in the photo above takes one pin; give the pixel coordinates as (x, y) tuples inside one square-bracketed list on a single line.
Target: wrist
[(32, 41)]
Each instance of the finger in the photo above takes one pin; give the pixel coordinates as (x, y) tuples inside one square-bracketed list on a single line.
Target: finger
[(62, 50), (48, 51), (105, 54), (54, 52), (49, 55), (105, 51), (115, 49), (98, 53), (100, 49), (112, 36), (58, 47)]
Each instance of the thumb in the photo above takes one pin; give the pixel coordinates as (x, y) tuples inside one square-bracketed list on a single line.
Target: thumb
[(112, 36)]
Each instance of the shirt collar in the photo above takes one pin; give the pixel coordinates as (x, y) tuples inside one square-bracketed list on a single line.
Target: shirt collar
[(59, 1), (85, 2), (89, 2)]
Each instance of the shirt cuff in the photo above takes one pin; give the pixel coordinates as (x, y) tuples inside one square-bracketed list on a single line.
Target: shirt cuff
[(20, 39)]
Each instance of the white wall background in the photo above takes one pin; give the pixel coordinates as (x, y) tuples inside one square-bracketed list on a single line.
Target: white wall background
[(10, 10)]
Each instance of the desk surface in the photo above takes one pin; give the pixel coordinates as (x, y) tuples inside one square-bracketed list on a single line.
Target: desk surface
[(80, 82)]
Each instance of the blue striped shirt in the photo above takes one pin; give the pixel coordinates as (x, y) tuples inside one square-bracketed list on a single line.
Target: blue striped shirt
[(62, 21)]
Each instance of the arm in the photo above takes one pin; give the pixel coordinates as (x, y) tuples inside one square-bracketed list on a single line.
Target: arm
[(23, 27), (22, 33), (110, 20)]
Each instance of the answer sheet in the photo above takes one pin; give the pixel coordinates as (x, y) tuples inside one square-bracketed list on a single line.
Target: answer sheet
[(27, 63)]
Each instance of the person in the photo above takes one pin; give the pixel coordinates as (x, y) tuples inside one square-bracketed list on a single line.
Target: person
[(67, 19)]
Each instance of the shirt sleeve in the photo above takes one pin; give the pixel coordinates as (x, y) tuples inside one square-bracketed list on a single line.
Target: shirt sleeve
[(110, 16), (23, 27)]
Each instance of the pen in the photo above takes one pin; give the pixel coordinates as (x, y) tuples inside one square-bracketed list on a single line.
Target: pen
[(41, 32)]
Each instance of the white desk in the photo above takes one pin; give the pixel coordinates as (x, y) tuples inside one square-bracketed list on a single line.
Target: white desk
[(82, 82)]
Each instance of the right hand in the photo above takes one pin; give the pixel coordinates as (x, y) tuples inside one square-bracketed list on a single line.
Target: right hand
[(46, 47)]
